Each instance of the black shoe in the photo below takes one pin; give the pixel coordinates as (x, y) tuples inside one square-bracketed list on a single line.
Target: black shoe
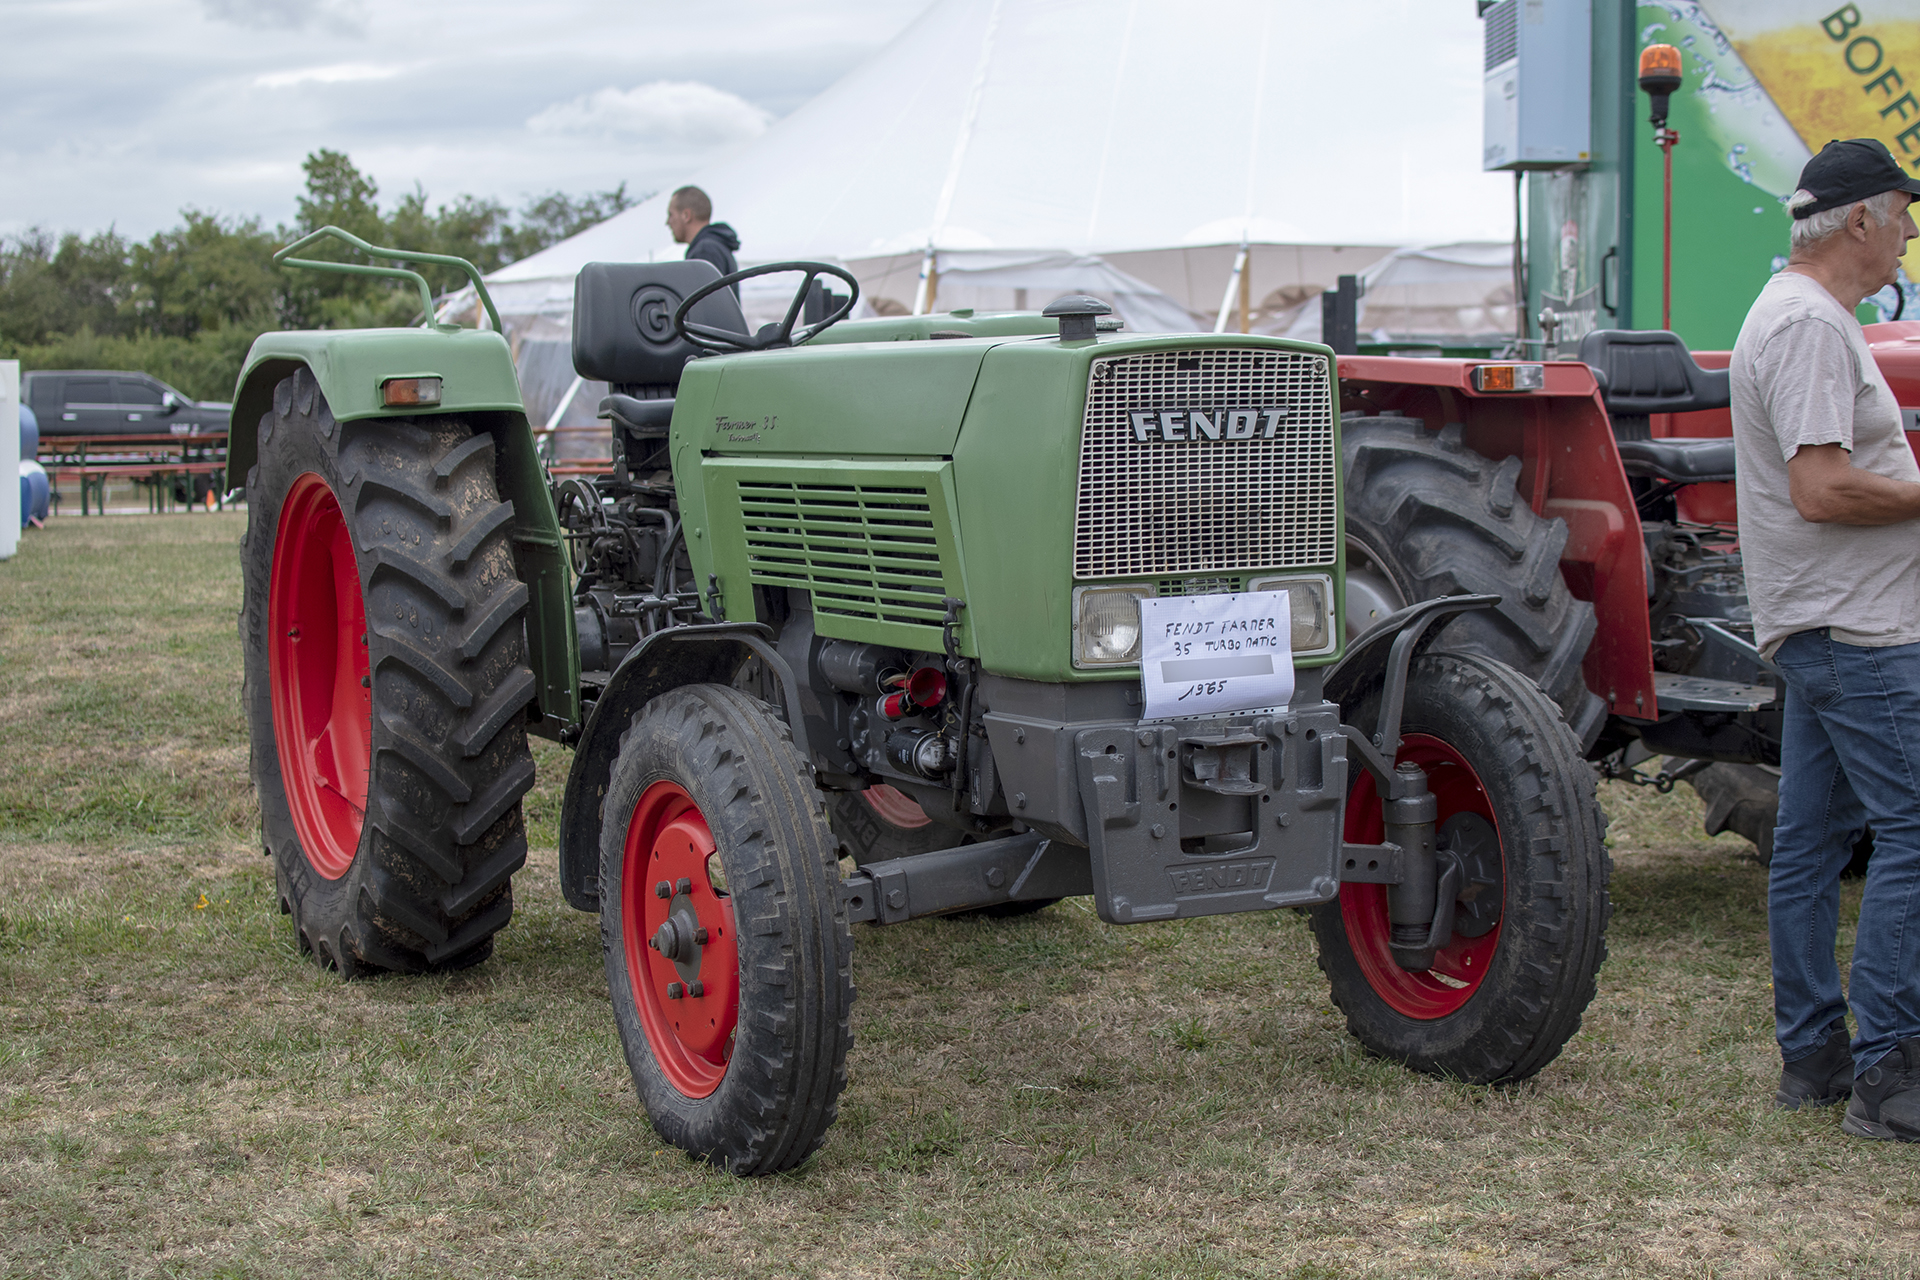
[(1820, 1079), (1886, 1097)]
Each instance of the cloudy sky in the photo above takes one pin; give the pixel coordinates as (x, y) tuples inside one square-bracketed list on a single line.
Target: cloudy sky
[(122, 112)]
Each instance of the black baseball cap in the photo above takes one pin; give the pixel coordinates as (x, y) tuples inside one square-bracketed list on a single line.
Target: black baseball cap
[(1845, 172)]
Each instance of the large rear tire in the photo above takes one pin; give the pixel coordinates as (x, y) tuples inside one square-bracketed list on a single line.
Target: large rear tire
[(1517, 805), (1427, 517), (728, 954), (385, 685)]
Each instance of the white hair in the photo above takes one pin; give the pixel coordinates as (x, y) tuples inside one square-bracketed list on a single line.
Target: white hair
[(1814, 228)]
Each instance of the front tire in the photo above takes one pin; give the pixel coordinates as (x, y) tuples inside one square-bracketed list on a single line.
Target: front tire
[(385, 684), (1516, 803), (728, 954)]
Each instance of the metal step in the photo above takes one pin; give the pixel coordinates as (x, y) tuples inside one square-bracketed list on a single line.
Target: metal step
[(1697, 693)]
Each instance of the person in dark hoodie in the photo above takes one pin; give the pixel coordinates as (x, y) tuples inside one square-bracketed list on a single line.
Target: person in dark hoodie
[(690, 218)]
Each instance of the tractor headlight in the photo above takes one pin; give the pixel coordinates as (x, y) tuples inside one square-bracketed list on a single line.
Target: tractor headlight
[(1106, 625), (1312, 617)]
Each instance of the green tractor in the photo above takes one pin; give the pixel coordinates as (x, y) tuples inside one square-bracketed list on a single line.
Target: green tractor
[(870, 621)]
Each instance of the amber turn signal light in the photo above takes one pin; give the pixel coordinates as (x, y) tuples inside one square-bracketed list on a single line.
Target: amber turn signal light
[(1509, 377), (410, 393)]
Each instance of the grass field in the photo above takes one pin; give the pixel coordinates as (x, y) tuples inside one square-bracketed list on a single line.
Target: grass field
[(183, 1094)]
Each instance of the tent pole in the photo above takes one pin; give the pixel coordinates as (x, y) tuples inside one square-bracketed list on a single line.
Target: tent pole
[(559, 410), (1233, 287), (1246, 294), (929, 286), (1519, 274)]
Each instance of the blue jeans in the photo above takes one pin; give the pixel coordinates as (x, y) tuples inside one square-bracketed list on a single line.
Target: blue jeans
[(1849, 756)]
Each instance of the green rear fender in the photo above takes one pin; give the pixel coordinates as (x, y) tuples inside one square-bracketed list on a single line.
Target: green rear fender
[(478, 383)]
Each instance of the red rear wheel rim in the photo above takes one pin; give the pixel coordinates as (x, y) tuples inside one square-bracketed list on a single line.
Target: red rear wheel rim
[(691, 1034), (895, 807), (318, 676), (1461, 966)]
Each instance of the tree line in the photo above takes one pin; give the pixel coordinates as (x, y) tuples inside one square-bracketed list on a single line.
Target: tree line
[(185, 305)]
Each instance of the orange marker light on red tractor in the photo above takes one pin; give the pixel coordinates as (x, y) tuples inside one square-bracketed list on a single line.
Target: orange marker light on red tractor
[(1509, 377)]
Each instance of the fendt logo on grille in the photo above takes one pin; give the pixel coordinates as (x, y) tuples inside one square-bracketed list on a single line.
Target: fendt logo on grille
[(1192, 424)]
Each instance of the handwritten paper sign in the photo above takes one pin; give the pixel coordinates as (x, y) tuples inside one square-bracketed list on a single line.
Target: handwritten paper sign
[(1208, 655)]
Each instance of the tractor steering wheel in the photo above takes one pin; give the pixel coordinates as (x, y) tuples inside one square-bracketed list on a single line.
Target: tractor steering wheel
[(708, 338)]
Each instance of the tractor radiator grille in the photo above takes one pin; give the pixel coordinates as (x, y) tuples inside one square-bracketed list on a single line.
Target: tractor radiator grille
[(1208, 503), (862, 551)]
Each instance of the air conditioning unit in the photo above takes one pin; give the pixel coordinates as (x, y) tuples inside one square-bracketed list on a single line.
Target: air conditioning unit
[(1539, 103)]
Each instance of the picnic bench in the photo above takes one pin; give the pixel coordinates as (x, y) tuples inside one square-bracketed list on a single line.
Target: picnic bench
[(577, 451), (156, 462)]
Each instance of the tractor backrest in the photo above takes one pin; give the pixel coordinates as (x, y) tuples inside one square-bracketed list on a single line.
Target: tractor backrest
[(623, 321), (1643, 371)]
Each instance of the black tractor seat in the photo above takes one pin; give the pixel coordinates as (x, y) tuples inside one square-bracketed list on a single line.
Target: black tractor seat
[(1679, 459), (1642, 372), (623, 335), (623, 330), (638, 416), (1648, 371)]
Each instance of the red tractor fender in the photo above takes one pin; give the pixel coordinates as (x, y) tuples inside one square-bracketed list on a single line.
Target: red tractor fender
[(1570, 470)]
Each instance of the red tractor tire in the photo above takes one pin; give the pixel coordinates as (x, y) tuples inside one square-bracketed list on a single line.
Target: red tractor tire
[(386, 684), (728, 954), (1425, 517), (1517, 805)]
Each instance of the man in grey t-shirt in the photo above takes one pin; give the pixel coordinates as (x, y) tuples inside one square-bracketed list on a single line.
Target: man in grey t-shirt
[(1830, 534)]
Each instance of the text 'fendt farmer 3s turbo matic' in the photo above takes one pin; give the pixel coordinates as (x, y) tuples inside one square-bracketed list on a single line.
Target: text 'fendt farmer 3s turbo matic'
[(1006, 608)]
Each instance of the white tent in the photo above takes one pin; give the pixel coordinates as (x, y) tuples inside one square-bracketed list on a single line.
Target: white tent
[(1106, 146), (1434, 295), (1097, 125), (1016, 280)]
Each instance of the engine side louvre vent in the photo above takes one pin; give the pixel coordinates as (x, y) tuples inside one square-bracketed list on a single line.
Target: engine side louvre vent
[(1208, 490), (874, 544), (863, 552)]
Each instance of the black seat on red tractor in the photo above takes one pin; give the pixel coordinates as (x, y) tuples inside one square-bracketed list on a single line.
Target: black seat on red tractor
[(623, 334), (1681, 459), (1644, 371), (1647, 371)]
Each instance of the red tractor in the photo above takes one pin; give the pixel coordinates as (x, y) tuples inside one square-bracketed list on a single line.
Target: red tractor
[(1596, 498)]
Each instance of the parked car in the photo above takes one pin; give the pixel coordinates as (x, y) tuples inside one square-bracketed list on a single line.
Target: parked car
[(93, 402)]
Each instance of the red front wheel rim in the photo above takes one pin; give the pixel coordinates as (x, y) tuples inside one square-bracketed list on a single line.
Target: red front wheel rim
[(1461, 966), (688, 991), (318, 676)]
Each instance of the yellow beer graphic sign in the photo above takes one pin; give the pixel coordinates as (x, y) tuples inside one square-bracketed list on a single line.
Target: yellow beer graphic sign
[(1835, 72), (1831, 70)]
